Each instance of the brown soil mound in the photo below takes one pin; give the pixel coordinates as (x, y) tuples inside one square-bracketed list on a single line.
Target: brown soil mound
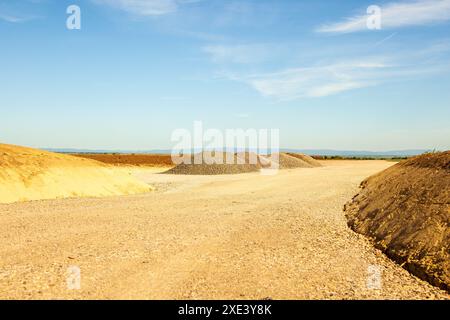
[(161, 160), (240, 164), (406, 211), (30, 174), (308, 159)]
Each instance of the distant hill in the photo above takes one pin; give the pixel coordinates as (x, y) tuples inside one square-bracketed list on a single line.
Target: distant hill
[(314, 152), (357, 153)]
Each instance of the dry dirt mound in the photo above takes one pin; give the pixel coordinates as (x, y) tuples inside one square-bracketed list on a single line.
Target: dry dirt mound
[(144, 160), (308, 159), (208, 166), (406, 211), (30, 174)]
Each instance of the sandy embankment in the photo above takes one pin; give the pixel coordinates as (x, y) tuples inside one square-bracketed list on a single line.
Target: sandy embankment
[(405, 210), (30, 174)]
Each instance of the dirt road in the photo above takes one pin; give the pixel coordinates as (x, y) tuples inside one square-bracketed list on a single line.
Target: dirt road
[(230, 237)]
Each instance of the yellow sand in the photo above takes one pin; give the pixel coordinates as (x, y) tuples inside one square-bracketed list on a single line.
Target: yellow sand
[(31, 174)]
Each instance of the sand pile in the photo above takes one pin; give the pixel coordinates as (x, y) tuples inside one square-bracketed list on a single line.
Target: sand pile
[(240, 164), (308, 159), (406, 211), (30, 174)]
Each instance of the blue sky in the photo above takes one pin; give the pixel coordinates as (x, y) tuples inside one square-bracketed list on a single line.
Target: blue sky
[(137, 70)]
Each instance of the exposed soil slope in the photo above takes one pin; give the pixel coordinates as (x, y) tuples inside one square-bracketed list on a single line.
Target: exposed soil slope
[(406, 211), (163, 160), (30, 174)]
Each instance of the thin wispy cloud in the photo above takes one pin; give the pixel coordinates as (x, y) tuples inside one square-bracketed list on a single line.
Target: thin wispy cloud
[(11, 18), (310, 82), (396, 15), (18, 18), (146, 7), (385, 39), (142, 7), (323, 80), (21, 11)]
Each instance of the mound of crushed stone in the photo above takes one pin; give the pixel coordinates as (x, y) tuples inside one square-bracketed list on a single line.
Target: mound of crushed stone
[(243, 162), (308, 159), (240, 164), (405, 210), (287, 161)]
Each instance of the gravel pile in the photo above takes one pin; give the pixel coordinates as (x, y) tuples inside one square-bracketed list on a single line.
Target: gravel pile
[(243, 162), (287, 161), (217, 169), (308, 159)]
